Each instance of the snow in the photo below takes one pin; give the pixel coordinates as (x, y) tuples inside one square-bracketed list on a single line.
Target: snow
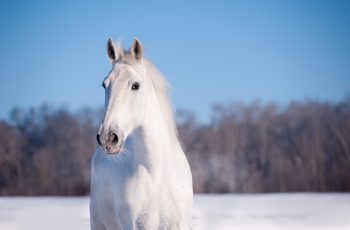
[(273, 211), (297, 211)]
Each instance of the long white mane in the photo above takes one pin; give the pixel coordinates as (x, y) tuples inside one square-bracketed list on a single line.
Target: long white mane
[(161, 87)]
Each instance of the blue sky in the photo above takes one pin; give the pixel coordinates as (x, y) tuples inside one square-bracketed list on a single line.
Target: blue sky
[(218, 51)]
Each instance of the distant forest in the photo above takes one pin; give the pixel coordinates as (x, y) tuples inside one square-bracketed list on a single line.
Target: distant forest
[(245, 148)]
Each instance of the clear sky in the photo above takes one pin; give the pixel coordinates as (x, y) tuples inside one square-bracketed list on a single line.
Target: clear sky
[(217, 51)]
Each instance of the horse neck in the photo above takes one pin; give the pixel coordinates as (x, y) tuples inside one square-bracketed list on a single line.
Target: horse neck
[(153, 141)]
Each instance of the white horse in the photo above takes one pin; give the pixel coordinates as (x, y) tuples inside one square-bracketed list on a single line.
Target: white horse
[(140, 177)]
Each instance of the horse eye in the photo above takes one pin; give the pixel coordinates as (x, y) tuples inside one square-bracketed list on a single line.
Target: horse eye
[(135, 86)]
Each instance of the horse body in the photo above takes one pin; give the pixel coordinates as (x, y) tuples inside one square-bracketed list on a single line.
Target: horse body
[(148, 183)]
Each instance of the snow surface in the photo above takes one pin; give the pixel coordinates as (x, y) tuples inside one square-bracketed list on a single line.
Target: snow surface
[(263, 211)]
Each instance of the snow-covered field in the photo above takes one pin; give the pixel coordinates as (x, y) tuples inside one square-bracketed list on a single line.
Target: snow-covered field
[(269, 211)]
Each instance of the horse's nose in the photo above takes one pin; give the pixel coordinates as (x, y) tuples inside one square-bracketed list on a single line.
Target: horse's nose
[(113, 138), (98, 138), (111, 141)]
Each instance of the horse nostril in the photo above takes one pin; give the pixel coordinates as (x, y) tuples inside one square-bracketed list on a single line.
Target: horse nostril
[(114, 139), (98, 139)]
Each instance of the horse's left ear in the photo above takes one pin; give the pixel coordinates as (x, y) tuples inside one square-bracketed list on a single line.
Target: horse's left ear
[(136, 49)]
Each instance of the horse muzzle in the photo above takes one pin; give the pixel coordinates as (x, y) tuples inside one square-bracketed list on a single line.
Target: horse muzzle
[(111, 141)]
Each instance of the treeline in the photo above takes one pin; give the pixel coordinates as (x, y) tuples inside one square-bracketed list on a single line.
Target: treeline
[(254, 147), (304, 146), (45, 151)]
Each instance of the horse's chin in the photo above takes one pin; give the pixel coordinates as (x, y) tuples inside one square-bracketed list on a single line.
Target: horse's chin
[(112, 150)]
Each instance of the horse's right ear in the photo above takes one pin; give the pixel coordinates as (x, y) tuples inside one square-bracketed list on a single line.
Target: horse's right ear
[(113, 52)]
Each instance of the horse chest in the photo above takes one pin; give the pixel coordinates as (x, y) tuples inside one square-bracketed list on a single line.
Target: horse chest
[(133, 200), (119, 187)]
